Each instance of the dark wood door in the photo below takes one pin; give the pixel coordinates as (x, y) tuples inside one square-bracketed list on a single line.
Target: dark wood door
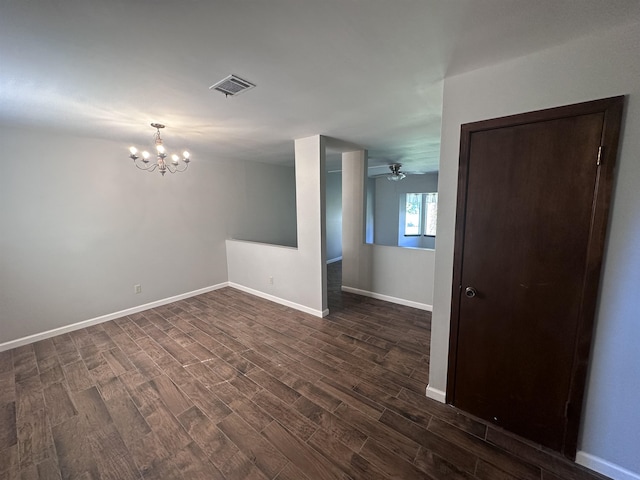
[(533, 198)]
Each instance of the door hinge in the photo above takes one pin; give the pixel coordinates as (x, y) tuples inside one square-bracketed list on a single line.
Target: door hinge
[(599, 155)]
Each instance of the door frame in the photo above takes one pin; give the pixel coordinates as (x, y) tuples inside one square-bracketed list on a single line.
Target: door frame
[(612, 110)]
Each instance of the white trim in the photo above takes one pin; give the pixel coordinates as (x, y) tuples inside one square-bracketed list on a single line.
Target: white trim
[(334, 260), (605, 467), (387, 298), (281, 301), (435, 394), (104, 318)]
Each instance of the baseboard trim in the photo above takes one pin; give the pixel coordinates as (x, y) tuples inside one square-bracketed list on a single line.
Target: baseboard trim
[(104, 318), (435, 394), (334, 260), (281, 301), (600, 465), (388, 298)]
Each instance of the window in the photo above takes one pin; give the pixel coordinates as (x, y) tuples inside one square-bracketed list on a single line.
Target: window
[(421, 214), (413, 218), (430, 214)]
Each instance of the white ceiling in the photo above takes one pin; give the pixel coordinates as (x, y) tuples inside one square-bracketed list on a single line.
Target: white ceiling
[(366, 71)]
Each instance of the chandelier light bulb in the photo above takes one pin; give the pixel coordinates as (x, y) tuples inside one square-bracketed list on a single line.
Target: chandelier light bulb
[(185, 154), (146, 154), (160, 148), (175, 159), (133, 150)]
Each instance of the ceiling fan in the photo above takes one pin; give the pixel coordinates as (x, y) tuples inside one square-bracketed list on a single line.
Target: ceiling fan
[(396, 174)]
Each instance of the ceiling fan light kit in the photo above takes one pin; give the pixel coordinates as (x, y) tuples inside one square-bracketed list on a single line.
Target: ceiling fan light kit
[(176, 164), (396, 174)]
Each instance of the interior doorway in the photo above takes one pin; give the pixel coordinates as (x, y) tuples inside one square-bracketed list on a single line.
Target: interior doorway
[(333, 208)]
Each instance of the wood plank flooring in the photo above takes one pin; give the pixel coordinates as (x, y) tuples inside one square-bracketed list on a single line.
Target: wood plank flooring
[(229, 386)]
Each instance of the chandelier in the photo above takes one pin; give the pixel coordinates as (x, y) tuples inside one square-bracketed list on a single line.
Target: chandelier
[(176, 164)]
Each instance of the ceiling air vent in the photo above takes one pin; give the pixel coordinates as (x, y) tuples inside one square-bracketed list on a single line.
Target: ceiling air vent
[(232, 85)]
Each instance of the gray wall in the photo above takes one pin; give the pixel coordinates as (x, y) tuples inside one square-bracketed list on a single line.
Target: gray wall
[(80, 226), (387, 221), (264, 207), (369, 209), (334, 215), (593, 67), (299, 274)]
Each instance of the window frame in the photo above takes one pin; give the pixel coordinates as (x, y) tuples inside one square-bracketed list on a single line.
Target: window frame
[(426, 202), (420, 214), (424, 211)]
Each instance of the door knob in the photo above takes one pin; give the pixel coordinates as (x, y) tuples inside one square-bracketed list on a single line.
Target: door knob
[(470, 292)]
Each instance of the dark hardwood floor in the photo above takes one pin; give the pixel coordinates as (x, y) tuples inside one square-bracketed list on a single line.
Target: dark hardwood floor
[(229, 386)]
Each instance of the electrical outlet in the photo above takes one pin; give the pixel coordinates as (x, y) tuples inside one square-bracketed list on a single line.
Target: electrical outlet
[(137, 288), (270, 280)]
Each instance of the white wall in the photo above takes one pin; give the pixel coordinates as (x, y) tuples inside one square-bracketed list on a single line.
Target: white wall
[(334, 215), (80, 226), (587, 69), (387, 219), (264, 208), (299, 274), (400, 275)]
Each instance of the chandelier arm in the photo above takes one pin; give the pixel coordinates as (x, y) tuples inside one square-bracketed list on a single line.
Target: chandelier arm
[(148, 168), (172, 168), (179, 170)]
